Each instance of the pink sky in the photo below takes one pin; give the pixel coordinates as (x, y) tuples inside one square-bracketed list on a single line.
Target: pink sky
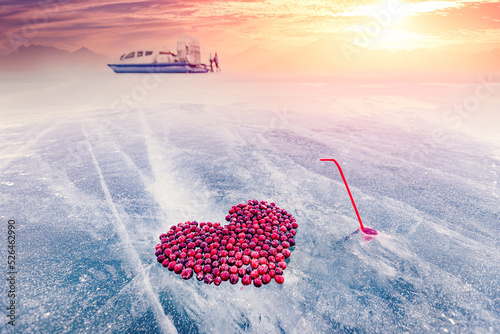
[(112, 27)]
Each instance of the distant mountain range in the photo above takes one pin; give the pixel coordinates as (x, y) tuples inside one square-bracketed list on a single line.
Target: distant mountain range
[(37, 57), (322, 56)]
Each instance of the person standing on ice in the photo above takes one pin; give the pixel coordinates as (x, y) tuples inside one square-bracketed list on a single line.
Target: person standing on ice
[(211, 62), (216, 60)]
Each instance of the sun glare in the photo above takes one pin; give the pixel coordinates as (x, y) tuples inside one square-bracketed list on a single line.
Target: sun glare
[(382, 25), (396, 40)]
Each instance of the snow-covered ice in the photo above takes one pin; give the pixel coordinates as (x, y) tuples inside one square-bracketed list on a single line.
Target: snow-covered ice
[(95, 167)]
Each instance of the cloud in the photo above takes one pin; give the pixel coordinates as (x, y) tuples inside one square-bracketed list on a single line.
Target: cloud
[(469, 16), (108, 24)]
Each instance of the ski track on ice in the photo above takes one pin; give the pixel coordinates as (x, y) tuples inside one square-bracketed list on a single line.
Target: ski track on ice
[(164, 184), (130, 163), (164, 322), (494, 185)]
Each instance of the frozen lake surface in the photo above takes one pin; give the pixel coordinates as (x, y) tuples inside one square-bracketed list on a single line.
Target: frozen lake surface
[(94, 168)]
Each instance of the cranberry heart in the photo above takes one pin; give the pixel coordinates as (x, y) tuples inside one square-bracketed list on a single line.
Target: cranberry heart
[(254, 246)]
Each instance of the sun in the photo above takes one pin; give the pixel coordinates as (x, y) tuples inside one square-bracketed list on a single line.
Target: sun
[(382, 25)]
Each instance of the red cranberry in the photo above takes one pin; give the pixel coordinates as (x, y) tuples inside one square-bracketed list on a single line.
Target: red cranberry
[(279, 279), (187, 273), (171, 266), (280, 257), (233, 279), (178, 268), (246, 280), (254, 274), (224, 275), (262, 269), (209, 278)]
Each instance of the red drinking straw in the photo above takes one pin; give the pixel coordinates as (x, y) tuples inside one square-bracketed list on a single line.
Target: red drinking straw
[(369, 231)]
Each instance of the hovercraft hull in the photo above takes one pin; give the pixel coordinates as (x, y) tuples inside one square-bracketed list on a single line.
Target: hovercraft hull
[(158, 68)]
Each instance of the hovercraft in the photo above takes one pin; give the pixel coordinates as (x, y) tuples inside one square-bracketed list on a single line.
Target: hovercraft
[(187, 59)]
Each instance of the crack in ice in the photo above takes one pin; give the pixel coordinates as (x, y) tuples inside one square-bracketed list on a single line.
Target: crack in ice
[(165, 323)]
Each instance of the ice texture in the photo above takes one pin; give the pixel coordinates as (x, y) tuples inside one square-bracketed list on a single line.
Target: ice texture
[(95, 167)]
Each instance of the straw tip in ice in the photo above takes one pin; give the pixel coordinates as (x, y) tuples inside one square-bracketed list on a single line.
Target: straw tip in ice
[(369, 232)]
